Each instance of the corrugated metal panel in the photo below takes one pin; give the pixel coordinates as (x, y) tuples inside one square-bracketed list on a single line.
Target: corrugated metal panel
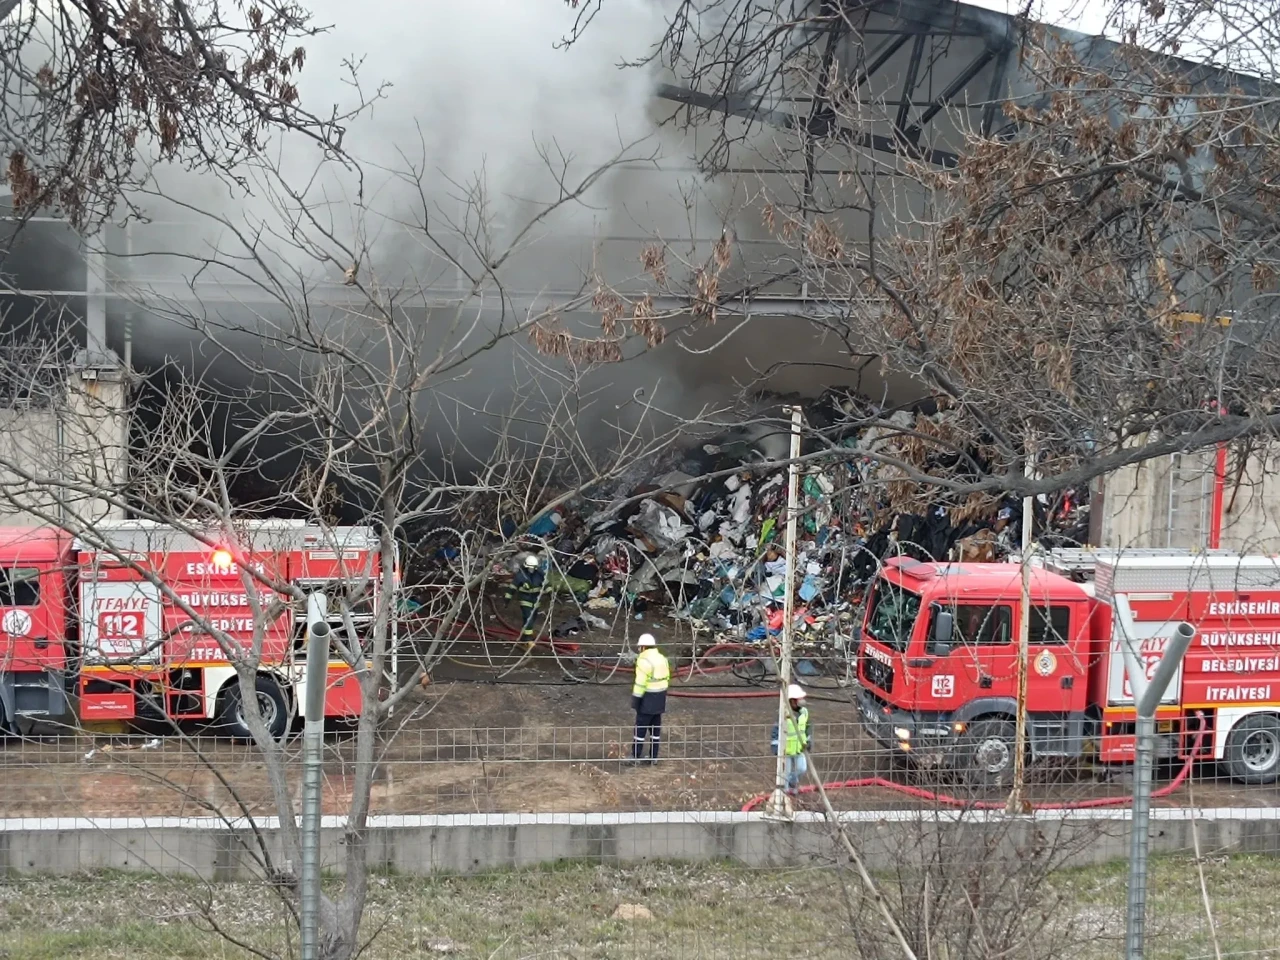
[(1219, 573), (1102, 578)]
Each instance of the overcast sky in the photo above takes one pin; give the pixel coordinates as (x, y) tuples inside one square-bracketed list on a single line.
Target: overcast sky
[(1087, 16), (1209, 39)]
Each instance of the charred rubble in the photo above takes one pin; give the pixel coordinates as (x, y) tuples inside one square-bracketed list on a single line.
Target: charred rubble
[(699, 532)]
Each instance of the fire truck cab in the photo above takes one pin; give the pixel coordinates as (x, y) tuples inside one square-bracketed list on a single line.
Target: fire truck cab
[(938, 660), (131, 632), (35, 569)]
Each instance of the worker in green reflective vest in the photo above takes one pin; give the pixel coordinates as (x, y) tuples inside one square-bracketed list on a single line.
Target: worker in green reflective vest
[(796, 741)]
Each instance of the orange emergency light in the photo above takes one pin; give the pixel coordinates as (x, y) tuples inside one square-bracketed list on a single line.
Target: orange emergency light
[(221, 558)]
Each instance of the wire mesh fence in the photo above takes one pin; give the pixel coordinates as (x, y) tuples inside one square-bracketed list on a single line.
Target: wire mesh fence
[(546, 766), (537, 838)]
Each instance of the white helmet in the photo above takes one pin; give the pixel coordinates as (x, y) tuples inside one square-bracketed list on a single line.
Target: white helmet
[(795, 692), (646, 640), (532, 562)]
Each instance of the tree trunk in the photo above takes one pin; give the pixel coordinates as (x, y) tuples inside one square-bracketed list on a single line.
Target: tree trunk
[(337, 942)]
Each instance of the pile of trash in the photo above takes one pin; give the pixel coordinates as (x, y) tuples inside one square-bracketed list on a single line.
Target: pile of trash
[(703, 534), (712, 552)]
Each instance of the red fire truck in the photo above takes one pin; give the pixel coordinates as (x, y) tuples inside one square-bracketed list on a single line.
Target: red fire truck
[(938, 659), (86, 626)]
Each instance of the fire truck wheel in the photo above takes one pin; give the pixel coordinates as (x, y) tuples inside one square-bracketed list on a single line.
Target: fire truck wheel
[(1253, 750), (275, 711), (986, 753)]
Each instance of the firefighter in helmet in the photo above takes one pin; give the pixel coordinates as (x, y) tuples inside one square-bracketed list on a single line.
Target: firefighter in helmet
[(796, 739), (649, 697), (529, 584)]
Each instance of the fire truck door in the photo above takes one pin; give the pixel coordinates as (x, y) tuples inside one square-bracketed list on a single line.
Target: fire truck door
[(1150, 638), (31, 631), (121, 622), (981, 663), (1056, 672)]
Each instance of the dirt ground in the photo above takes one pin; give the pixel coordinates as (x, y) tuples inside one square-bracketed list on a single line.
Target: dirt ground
[(527, 743), (530, 741)]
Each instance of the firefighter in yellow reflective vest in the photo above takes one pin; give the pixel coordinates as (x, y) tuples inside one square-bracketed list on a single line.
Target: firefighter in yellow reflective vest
[(796, 742), (649, 697)]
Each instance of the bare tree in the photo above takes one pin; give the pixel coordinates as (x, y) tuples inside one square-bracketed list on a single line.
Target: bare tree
[(964, 883), (1045, 278), (321, 400), (95, 91)]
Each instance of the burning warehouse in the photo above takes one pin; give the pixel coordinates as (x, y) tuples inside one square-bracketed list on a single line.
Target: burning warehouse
[(616, 310)]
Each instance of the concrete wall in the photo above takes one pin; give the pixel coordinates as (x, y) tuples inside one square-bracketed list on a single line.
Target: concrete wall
[(420, 845), (1168, 502), (60, 442)]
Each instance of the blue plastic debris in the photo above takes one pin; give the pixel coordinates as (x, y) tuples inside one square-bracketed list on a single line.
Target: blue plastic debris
[(807, 668), (544, 526)]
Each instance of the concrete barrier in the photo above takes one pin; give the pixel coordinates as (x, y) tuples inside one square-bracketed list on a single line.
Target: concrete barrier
[(216, 849)]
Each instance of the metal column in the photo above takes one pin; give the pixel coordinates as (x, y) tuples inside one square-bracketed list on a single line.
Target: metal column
[(312, 769)]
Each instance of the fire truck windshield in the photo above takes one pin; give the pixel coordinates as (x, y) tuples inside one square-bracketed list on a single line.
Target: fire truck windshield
[(893, 614)]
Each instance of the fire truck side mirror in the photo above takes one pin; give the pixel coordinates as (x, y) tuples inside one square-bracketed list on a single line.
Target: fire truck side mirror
[(940, 642)]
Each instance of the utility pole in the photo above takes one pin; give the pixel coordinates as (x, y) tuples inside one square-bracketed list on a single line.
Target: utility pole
[(127, 386), (1219, 489), (312, 765), (779, 804), (1146, 697), (1017, 801)]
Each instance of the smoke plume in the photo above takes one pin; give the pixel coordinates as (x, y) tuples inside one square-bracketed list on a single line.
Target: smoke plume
[(477, 97)]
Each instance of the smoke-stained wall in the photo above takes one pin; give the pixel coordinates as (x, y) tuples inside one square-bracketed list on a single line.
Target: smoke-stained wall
[(478, 109), (74, 433), (484, 106)]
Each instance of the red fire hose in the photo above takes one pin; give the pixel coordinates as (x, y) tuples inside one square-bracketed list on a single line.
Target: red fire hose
[(463, 631), (700, 666), (683, 673), (950, 801)]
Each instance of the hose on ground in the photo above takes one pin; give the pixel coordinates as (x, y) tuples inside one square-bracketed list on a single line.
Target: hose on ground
[(919, 793), (683, 673), (462, 631), (723, 694), (699, 666)]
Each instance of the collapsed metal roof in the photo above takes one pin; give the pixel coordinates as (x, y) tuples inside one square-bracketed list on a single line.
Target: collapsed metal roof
[(934, 68), (923, 58)]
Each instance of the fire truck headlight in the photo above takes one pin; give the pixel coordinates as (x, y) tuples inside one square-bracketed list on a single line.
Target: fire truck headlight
[(959, 727), (902, 733)]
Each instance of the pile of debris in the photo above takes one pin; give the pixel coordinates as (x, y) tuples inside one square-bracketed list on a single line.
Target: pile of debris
[(701, 532), (706, 539)]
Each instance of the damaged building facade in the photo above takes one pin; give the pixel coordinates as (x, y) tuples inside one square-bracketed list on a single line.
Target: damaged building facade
[(64, 395), (936, 68)]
